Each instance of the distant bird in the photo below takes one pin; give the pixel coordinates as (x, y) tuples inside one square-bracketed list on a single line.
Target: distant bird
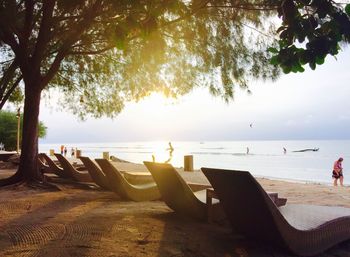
[(251, 125)]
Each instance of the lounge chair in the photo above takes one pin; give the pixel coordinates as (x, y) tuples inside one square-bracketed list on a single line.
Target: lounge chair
[(305, 230), (44, 168), (96, 173), (54, 167), (177, 194), (119, 185), (73, 173)]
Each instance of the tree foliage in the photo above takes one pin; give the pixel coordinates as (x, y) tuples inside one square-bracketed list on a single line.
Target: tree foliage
[(116, 51), (8, 129), (311, 30)]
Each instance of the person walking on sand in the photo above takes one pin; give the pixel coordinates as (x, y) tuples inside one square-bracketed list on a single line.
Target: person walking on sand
[(284, 150), (62, 149), (65, 151), (247, 150), (338, 172)]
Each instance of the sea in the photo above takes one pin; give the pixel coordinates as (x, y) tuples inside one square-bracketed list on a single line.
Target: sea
[(265, 158)]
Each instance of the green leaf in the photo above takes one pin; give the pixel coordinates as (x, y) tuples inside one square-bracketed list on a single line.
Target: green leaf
[(272, 50), (286, 69), (301, 69), (274, 60), (347, 9), (319, 60), (312, 65)]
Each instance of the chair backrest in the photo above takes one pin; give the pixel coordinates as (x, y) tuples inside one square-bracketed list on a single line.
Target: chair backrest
[(95, 172), (247, 206), (42, 165), (49, 161), (174, 190), (116, 180), (54, 167), (66, 165)]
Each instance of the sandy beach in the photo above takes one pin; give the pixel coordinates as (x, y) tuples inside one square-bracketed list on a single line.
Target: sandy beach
[(83, 220)]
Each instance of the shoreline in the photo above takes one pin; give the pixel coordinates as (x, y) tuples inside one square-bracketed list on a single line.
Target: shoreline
[(139, 167)]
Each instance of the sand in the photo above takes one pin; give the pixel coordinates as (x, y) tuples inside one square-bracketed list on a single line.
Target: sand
[(83, 220)]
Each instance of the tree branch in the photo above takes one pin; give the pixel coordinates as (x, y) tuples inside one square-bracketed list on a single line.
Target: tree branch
[(91, 52), (44, 33), (247, 7), (6, 78), (27, 26), (9, 92), (71, 39)]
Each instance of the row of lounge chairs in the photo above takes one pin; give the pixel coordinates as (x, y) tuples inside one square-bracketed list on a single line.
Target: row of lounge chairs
[(107, 177), (305, 230)]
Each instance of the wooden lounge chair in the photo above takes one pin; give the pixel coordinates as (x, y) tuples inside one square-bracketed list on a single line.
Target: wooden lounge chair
[(96, 173), (44, 168), (305, 230), (54, 167), (177, 194), (119, 185), (73, 173)]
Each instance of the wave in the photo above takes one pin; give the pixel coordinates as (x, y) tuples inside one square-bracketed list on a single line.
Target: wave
[(235, 154), (213, 148), (217, 153), (115, 147)]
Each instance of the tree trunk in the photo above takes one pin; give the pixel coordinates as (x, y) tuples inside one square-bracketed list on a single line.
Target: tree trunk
[(28, 167)]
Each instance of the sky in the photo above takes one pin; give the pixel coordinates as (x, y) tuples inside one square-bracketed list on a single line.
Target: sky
[(309, 105)]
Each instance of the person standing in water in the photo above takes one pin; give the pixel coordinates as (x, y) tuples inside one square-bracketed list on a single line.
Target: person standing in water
[(171, 150), (338, 172)]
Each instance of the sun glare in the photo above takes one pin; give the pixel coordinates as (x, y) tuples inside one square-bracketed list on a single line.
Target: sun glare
[(156, 100)]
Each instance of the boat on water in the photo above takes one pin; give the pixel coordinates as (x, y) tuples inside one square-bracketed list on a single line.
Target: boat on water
[(307, 150)]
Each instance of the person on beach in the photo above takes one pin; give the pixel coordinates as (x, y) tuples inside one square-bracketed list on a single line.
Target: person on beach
[(62, 149), (338, 172), (171, 150), (284, 150), (72, 152), (247, 150), (65, 151)]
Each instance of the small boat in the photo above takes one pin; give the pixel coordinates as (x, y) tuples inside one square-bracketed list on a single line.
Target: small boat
[(307, 150)]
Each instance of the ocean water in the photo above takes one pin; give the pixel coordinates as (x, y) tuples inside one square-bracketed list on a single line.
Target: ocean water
[(265, 158)]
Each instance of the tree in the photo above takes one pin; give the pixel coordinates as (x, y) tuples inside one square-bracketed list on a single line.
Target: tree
[(311, 30), (8, 129), (102, 53)]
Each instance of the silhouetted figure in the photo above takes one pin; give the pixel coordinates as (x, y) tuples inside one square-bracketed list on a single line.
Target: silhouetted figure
[(171, 150), (284, 150), (247, 150)]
